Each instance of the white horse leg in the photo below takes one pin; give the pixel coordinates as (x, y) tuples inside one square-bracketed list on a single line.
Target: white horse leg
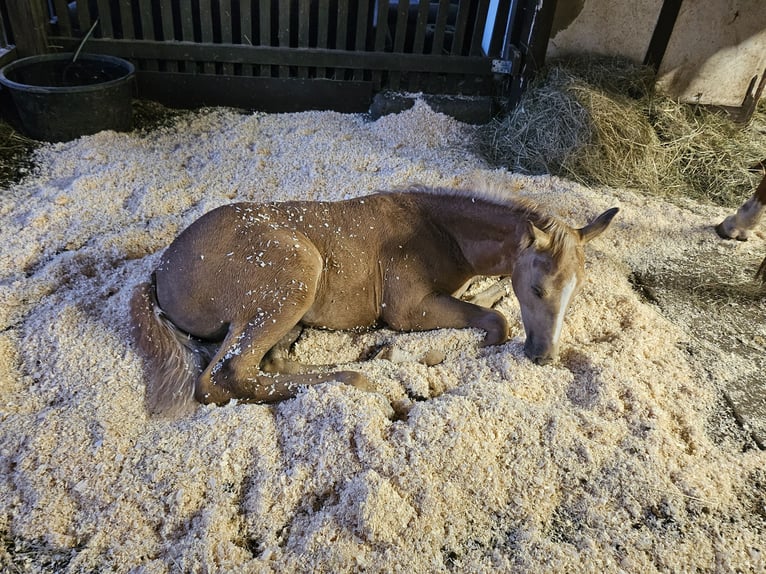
[(740, 225)]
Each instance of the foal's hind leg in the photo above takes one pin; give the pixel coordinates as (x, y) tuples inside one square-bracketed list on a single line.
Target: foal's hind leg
[(277, 360), (235, 373)]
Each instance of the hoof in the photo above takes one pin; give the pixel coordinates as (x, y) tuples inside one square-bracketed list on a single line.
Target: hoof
[(433, 357), (356, 380), (727, 230)]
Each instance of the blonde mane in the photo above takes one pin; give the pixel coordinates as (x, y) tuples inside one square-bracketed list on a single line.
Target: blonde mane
[(563, 240)]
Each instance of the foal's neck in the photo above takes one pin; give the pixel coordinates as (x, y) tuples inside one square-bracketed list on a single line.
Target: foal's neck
[(488, 233)]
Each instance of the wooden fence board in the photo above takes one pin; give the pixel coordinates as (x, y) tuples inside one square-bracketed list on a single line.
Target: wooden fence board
[(274, 56), (323, 29), (478, 28), (265, 94), (431, 46), (361, 33), (104, 19), (168, 34), (461, 28), (62, 17), (128, 29), (265, 31), (226, 33), (206, 33), (246, 31)]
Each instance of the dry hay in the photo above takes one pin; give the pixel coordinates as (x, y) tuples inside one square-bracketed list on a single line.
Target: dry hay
[(602, 462), (15, 155), (600, 122)]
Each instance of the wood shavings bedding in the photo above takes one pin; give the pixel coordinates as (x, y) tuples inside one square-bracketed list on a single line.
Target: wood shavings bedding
[(482, 463)]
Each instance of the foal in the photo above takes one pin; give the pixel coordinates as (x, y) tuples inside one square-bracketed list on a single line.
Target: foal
[(739, 225), (239, 280)]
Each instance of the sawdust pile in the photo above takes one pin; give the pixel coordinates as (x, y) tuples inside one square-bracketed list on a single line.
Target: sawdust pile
[(603, 461)]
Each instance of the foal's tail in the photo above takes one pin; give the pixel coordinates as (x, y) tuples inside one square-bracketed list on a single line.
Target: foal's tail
[(174, 360)]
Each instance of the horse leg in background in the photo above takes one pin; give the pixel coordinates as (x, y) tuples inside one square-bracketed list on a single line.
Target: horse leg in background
[(739, 225), (761, 273)]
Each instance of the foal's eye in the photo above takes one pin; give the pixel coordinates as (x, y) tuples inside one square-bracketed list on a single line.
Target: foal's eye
[(538, 291)]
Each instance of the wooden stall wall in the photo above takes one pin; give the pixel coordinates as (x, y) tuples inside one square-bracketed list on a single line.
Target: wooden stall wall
[(288, 55)]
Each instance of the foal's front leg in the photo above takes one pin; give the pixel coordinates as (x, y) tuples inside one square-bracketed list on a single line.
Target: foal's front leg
[(440, 311)]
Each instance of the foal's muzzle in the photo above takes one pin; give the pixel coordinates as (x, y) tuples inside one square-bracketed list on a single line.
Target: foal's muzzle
[(538, 356)]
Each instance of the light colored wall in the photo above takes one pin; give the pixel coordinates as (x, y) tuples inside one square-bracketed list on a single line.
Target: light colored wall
[(716, 48), (606, 27)]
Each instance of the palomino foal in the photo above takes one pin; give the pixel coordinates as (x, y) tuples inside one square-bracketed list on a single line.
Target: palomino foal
[(740, 225), (239, 280)]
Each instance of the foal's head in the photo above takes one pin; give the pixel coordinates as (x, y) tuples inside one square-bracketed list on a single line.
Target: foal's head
[(546, 277)]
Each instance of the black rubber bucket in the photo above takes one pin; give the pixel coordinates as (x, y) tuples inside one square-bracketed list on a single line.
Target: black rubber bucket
[(59, 100)]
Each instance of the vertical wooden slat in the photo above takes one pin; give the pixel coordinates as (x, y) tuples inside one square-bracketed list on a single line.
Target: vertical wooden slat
[(341, 26), (84, 21), (187, 21), (265, 24), (126, 19), (147, 19), (304, 8), (420, 28), (341, 35), (418, 44), (402, 14), (323, 29), (401, 25), (186, 16), (304, 13), (168, 32), (461, 26), (246, 30), (246, 23), (62, 17), (284, 32), (105, 19), (206, 31), (362, 17), (147, 29), (435, 83), (226, 34), (381, 30), (29, 22), (441, 25)]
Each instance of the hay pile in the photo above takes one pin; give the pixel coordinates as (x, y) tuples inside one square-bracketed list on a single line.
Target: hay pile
[(600, 122)]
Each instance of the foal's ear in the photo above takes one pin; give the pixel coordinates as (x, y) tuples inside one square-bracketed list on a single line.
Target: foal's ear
[(540, 239), (597, 226)]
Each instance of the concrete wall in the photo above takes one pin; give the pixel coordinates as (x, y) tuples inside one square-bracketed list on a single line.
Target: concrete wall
[(716, 48)]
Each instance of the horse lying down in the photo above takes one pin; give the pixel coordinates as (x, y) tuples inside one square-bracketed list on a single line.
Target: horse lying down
[(237, 285), (740, 225)]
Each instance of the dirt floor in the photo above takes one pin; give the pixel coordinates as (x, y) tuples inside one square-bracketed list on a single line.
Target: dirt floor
[(639, 451), (714, 296)]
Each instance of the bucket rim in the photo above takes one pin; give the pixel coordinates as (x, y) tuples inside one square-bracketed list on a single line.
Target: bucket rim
[(129, 68)]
